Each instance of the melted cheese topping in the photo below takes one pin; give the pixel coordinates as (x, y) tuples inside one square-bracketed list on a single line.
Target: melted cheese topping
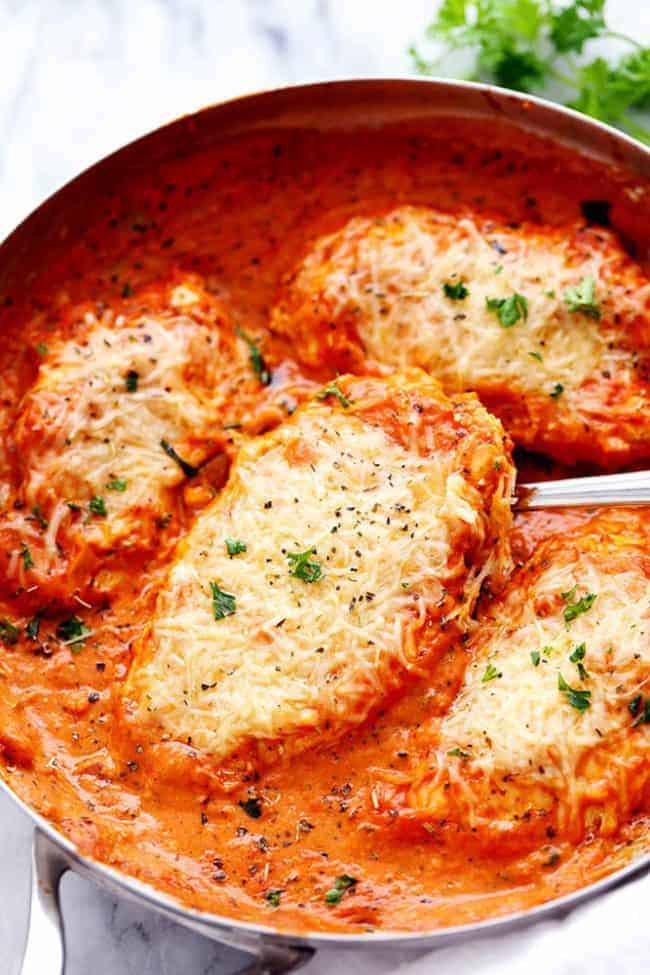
[(390, 274), (513, 742), (391, 528), (93, 424)]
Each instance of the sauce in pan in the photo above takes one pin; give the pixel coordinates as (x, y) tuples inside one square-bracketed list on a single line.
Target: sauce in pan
[(186, 268)]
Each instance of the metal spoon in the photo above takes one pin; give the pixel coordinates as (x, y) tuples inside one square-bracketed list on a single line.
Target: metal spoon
[(580, 492)]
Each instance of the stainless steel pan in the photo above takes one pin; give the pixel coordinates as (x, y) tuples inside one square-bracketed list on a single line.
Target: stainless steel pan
[(324, 106)]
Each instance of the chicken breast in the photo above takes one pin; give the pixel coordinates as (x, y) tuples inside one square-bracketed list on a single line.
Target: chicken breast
[(122, 414), (548, 325), (550, 733), (345, 550)]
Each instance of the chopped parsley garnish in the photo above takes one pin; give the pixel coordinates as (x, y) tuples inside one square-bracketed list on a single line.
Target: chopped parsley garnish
[(116, 484), (258, 364), (97, 506), (580, 606), (333, 390), (42, 349), (32, 628), (578, 699), (252, 807), (455, 291), (577, 657), (634, 705), (73, 506), (188, 469), (223, 603), (341, 885), (458, 752), (38, 515), (508, 310), (535, 656), (490, 673), (302, 567), (536, 355), (8, 633), (235, 547), (557, 391), (72, 631), (642, 714), (131, 380), (272, 897), (26, 555), (582, 298)]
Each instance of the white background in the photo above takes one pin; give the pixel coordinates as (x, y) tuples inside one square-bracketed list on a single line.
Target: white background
[(77, 80)]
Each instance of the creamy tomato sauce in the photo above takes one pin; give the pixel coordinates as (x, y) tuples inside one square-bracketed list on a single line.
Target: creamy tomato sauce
[(269, 847)]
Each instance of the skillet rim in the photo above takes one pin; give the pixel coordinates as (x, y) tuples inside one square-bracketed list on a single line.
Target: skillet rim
[(577, 133)]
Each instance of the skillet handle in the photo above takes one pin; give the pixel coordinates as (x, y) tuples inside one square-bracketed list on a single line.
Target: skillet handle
[(45, 945)]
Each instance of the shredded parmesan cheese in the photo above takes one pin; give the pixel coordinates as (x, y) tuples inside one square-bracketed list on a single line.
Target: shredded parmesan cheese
[(387, 528), (545, 716), (378, 292)]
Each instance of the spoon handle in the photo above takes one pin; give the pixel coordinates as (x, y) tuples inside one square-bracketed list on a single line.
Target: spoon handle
[(579, 492)]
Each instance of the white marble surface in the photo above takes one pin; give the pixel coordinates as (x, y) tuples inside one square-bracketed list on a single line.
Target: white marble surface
[(80, 77)]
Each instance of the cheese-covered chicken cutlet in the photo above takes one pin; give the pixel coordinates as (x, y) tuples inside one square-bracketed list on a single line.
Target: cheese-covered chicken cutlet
[(122, 413), (548, 325), (550, 733), (347, 547)]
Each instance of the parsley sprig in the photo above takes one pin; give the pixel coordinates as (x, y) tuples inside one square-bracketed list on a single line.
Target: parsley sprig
[(529, 44), (577, 698), (303, 567), (576, 607), (335, 894)]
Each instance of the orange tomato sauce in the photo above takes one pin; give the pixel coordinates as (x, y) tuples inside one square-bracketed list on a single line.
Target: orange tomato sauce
[(240, 214)]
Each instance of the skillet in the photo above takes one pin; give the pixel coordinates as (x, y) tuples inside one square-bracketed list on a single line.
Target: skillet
[(326, 106)]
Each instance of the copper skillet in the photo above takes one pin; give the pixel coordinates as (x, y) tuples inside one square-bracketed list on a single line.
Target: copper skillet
[(324, 106)]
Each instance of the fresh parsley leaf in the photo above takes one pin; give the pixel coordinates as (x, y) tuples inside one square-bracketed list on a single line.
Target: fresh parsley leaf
[(333, 390), (635, 704), (42, 349), (116, 484), (188, 469), (97, 506), (582, 298), (252, 807), (131, 381), (536, 355), (272, 897), (455, 290), (458, 752), (223, 603), (341, 885), (535, 656), (572, 27), (580, 606), (577, 657), (490, 673), (578, 699), (258, 365), (8, 633), (510, 310), (234, 546), (38, 515), (28, 561), (557, 391), (33, 627), (72, 631), (302, 567), (643, 716)]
